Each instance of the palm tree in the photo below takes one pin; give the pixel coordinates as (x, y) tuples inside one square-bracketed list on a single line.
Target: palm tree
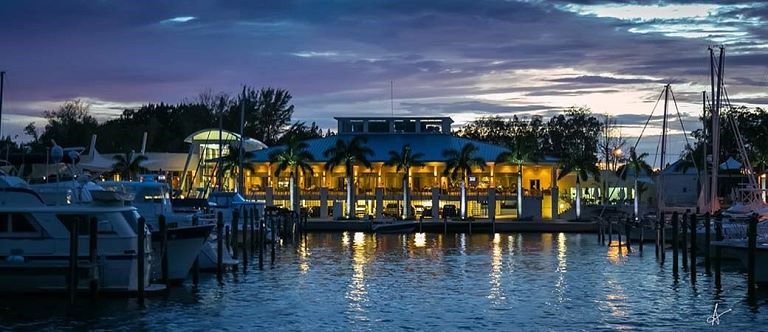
[(404, 161), (294, 158), (583, 164), (636, 164), (348, 154), (458, 165), (229, 164), (127, 165), (522, 150)]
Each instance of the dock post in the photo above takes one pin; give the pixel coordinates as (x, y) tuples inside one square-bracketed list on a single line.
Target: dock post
[(93, 255), (227, 238), (663, 237), (140, 237), (610, 232), (599, 230), (603, 230), (684, 235), (233, 226), (163, 248), (253, 230), (718, 253), (273, 238), (74, 234), (421, 221), (642, 232), (618, 234), (751, 250), (707, 241), (244, 246), (656, 229), (693, 247), (219, 244), (675, 243), (627, 230), (261, 241)]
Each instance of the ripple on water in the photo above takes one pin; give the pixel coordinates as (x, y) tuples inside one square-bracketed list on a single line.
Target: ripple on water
[(363, 282)]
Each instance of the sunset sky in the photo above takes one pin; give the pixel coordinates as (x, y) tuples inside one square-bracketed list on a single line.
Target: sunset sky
[(455, 58)]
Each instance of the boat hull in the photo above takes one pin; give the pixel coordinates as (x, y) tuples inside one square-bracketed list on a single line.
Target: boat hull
[(184, 246)]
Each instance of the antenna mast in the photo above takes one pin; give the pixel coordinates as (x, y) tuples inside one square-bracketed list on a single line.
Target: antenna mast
[(392, 97)]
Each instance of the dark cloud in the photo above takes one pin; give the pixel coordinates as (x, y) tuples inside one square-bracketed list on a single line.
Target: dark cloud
[(589, 79), (337, 58)]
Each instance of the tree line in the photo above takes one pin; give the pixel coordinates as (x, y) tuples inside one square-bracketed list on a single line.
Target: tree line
[(268, 118)]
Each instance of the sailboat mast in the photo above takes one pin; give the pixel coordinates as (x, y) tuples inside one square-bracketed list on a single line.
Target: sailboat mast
[(241, 149), (664, 128), (219, 163), (2, 85), (703, 180), (715, 131), (660, 192)]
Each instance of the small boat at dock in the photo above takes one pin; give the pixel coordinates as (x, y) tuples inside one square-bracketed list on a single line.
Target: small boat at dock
[(395, 227)]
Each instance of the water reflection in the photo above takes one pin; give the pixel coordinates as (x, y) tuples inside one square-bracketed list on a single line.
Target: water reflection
[(496, 295), (562, 267), (357, 292), (420, 240), (303, 253), (615, 253)]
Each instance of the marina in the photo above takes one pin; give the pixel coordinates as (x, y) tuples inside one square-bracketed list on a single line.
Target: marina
[(444, 166)]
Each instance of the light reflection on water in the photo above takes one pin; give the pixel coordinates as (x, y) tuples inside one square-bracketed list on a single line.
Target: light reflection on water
[(357, 281)]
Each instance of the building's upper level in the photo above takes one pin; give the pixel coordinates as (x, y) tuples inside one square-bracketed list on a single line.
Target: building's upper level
[(392, 125)]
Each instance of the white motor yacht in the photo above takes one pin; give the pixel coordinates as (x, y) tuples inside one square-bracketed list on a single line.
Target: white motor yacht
[(34, 243), (186, 235)]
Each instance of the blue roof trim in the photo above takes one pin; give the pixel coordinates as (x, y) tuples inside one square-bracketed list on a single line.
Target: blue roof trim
[(431, 145)]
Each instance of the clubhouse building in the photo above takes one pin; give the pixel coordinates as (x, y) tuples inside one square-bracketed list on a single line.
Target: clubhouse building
[(491, 191)]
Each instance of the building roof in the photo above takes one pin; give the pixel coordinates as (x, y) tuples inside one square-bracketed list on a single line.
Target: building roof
[(431, 145)]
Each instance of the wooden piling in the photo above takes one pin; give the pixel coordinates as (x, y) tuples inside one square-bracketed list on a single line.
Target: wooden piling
[(618, 235), (244, 246), (684, 236), (692, 218), (642, 233), (140, 244), (675, 243), (93, 235), (273, 239), (718, 252), (627, 230), (707, 243), (751, 251), (261, 241), (253, 230), (610, 232), (663, 237), (658, 231), (73, 259), (219, 244), (163, 248), (234, 226), (227, 238), (599, 230)]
